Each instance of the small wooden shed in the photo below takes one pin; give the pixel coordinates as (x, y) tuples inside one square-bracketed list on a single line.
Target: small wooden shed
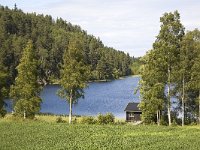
[(133, 113)]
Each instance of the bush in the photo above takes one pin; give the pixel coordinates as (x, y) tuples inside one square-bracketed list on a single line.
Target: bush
[(59, 120), (163, 122), (2, 112), (87, 120), (193, 124), (105, 119), (174, 123), (120, 123)]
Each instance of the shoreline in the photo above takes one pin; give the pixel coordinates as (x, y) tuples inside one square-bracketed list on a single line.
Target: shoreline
[(104, 80), (46, 117)]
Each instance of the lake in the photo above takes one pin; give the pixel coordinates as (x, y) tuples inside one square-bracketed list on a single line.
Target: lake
[(100, 97)]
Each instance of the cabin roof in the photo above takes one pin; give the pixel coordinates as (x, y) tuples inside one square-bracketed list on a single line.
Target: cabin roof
[(132, 107)]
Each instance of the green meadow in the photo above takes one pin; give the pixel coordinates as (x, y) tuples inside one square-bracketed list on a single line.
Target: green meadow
[(42, 135)]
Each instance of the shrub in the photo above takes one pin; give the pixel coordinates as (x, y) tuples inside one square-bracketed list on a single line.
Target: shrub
[(174, 123), (163, 122), (59, 120), (105, 119), (2, 112), (120, 122), (87, 120), (74, 120), (193, 124)]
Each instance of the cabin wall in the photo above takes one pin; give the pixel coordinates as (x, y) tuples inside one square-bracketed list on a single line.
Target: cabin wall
[(133, 116)]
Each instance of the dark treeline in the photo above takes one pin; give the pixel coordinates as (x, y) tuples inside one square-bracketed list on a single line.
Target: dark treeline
[(50, 39), (172, 70)]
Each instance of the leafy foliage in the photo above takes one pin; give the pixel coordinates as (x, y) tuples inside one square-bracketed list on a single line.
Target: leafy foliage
[(50, 38), (74, 73), (25, 91), (59, 120), (105, 119), (3, 77), (88, 120), (168, 71)]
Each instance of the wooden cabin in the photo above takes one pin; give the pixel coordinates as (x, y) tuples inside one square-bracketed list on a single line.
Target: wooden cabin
[(133, 113)]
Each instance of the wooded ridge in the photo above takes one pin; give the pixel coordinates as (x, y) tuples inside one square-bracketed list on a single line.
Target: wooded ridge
[(50, 39)]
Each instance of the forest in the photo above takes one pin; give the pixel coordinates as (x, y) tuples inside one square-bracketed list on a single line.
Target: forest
[(170, 76), (44, 41), (50, 39)]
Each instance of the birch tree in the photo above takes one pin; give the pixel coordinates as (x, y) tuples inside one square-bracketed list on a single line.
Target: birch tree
[(195, 71), (151, 89), (167, 46), (183, 70), (74, 74)]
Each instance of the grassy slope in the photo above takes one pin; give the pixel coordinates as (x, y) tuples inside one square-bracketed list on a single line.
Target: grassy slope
[(45, 135)]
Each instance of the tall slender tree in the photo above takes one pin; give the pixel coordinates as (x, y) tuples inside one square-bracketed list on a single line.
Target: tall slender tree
[(151, 88), (74, 73), (167, 45), (183, 71), (195, 70), (25, 91)]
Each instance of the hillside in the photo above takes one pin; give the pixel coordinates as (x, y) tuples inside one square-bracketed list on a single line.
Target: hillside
[(50, 39)]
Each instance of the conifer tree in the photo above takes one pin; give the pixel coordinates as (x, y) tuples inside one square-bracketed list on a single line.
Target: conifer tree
[(25, 91)]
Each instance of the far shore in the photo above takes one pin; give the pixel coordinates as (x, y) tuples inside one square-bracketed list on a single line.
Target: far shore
[(104, 80)]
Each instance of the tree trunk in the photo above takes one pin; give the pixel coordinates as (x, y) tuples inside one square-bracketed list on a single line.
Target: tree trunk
[(169, 97), (24, 114), (183, 103), (199, 106), (158, 117), (70, 108)]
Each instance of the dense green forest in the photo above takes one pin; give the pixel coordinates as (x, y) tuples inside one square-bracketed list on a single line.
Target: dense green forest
[(50, 39), (171, 71), (33, 49)]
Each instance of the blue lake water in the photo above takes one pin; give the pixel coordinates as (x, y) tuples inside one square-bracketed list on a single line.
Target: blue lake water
[(100, 97)]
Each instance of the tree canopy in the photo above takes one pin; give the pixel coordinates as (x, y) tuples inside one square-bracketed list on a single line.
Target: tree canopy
[(25, 91), (50, 38), (168, 72), (74, 73)]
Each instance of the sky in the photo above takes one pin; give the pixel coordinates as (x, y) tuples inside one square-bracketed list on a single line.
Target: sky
[(127, 25)]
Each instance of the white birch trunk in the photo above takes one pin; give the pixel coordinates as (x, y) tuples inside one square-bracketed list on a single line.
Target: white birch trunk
[(169, 97), (24, 114), (70, 108), (158, 117), (183, 103), (199, 106)]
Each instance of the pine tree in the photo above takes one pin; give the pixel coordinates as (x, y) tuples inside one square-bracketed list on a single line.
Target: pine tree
[(104, 69), (25, 91), (74, 74)]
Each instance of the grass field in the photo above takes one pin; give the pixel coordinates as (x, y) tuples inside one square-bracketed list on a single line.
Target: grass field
[(50, 135)]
